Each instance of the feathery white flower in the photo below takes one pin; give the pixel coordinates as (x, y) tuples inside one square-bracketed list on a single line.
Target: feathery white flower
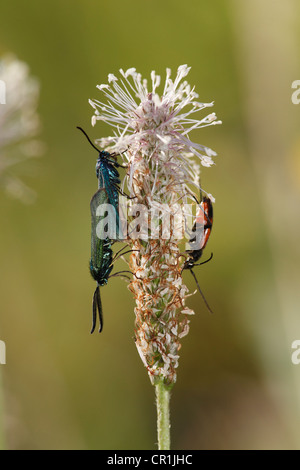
[(19, 124), (153, 130)]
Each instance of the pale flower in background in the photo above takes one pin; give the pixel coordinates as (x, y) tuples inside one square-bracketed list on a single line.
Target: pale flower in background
[(19, 126)]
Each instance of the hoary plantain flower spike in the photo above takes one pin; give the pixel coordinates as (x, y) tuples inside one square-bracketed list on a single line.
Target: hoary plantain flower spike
[(154, 131), (19, 125)]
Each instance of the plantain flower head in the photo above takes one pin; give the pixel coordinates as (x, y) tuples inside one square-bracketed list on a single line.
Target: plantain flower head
[(163, 169)]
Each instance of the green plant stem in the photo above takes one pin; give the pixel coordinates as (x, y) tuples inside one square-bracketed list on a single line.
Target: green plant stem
[(163, 415)]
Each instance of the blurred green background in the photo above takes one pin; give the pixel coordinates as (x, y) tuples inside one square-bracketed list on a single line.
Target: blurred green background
[(237, 387)]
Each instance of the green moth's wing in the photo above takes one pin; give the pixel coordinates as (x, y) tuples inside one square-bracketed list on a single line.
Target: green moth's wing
[(97, 243)]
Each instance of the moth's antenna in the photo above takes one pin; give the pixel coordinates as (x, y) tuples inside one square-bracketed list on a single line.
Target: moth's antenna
[(98, 150)]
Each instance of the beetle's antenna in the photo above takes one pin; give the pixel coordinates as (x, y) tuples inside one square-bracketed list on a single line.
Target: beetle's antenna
[(205, 301), (203, 262)]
